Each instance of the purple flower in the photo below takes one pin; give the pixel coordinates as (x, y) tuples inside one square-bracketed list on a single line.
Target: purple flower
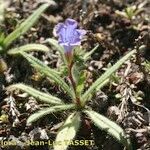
[(69, 35)]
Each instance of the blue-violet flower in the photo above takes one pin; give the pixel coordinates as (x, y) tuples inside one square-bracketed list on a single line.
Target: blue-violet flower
[(69, 35)]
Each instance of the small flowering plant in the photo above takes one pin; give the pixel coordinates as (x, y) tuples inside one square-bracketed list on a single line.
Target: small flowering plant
[(69, 37)]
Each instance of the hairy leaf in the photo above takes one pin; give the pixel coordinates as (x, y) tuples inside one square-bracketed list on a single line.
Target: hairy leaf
[(81, 82), (25, 26), (41, 96), (68, 131), (88, 54), (28, 47), (50, 73), (54, 43), (45, 111), (110, 127), (105, 76)]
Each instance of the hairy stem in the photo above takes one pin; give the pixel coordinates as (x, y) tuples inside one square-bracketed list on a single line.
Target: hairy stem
[(69, 57), (73, 83)]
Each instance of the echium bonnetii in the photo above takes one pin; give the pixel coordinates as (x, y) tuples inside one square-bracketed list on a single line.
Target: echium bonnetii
[(69, 38)]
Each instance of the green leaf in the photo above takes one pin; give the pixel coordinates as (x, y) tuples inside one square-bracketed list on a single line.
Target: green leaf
[(147, 65), (2, 9), (25, 26), (54, 43), (104, 77), (88, 54), (79, 76), (50, 73), (121, 13), (80, 83), (68, 131), (41, 96), (103, 84), (130, 11), (2, 37), (109, 126), (76, 71), (45, 111), (28, 47)]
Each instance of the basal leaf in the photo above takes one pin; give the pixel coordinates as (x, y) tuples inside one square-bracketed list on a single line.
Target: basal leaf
[(45, 111), (105, 76), (50, 73), (28, 47), (41, 96), (25, 26), (68, 131), (110, 127)]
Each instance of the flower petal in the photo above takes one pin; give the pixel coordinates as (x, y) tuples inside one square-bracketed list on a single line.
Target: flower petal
[(59, 27), (69, 35), (71, 22), (61, 32), (81, 32)]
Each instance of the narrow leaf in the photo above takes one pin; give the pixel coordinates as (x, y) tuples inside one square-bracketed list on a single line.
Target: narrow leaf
[(103, 84), (81, 83), (50, 73), (88, 54), (41, 96), (28, 47), (25, 26), (58, 47), (109, 126), (105, 76), (68, 131), (45, 111)]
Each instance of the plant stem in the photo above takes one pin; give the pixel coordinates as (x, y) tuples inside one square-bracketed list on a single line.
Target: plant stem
[(71, 77), (73, 83), (69, 57)]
